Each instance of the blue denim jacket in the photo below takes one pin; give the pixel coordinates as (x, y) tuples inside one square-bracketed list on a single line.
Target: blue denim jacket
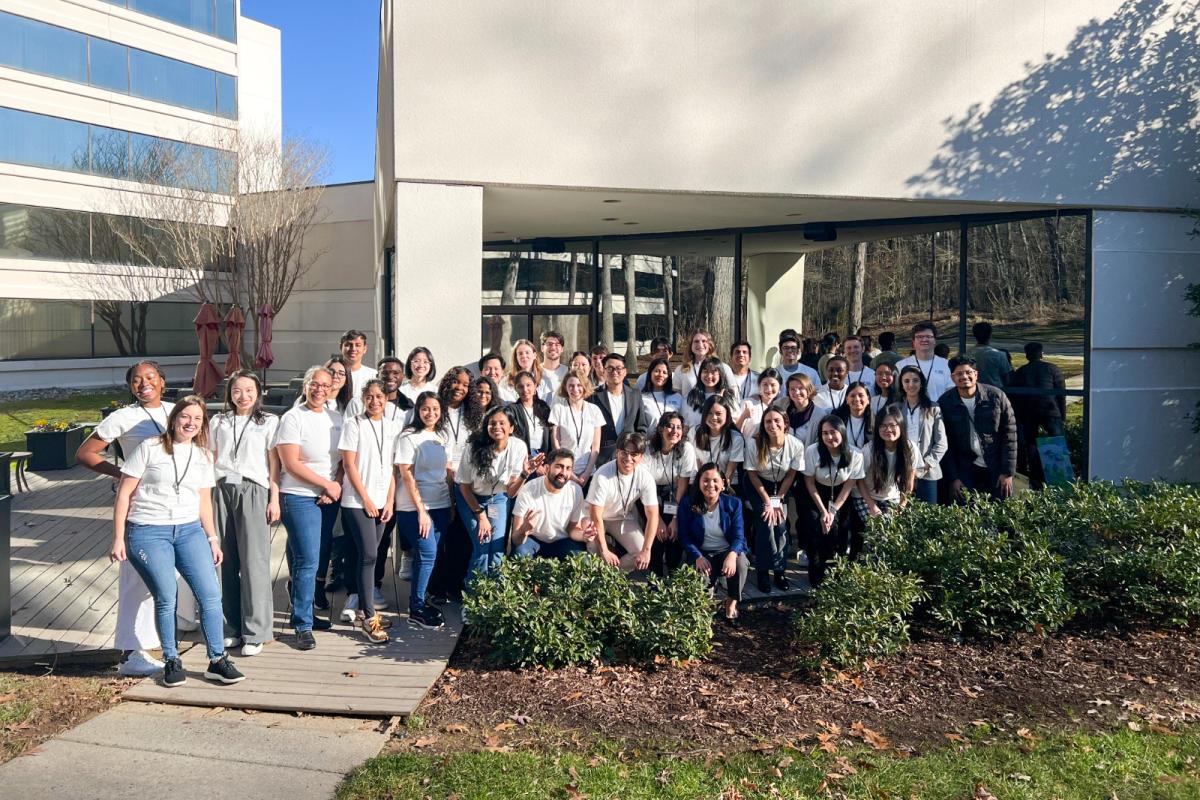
[(691, 525)]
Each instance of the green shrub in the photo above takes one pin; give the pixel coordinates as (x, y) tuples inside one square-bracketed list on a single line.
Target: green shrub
[(551, 613), (671, 618), (984, 571), (861, 612)]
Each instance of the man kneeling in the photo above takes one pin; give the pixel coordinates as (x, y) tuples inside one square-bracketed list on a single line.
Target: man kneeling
[(548, 513), (612, 505)]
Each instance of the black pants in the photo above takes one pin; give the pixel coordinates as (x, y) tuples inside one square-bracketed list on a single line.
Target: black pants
[(367, 533), (664, 556), (454, 555), (821, 547)]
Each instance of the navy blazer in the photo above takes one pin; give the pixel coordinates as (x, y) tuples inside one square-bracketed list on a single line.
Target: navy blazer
[(690, 525)]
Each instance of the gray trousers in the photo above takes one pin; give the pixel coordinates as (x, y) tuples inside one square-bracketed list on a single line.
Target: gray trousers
[(246, 595)]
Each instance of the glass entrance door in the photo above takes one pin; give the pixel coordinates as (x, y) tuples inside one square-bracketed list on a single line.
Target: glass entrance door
[(504, 326)]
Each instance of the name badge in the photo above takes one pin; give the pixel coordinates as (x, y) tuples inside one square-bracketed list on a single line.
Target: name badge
[(493, 514), (233, 479), (776, 502), (670, 508)]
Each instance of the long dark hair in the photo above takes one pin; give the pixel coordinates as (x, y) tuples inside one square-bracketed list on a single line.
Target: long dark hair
[(483, 447), (446, 385), (699, 393), (669, 386), (894, 394), (843, 411), (824, 457), (695, 498), (256, 411), (703, 437), (880, 475), (924, 402), (475, 412), (415, 425), (657, 441), (346, 393), (762, 443)]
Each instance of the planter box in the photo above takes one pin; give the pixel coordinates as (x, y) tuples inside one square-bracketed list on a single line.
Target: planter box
[(53, 449)]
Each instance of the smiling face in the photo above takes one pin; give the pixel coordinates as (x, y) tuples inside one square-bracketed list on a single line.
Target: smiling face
[(798, 394), (419, 365), (700, 346), (524, 356), (552, 349), (716, 417), (658, 376), (146, 385), (430, 412), (353, 351), (965, 377), (831, 436), (460, 388), (712, 483), (836, 372), (885, 376), (857, 399), (373, 401), (789, 353), (581, 365), (739, 357), (526, 389), (853, 350), (189, 421), (923, 342), (768, 390), (318, 389), (337, 375), (672, 431), (598, 363), (890, 429), (498, 427), (560, 471), (574, 388), (492, 369), (774, 424), (710, 377), (483, 394), (910, 382), (391, 374), (244, 394)]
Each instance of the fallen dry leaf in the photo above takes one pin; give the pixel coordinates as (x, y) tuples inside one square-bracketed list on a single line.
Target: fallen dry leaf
[(350, 674), (1026, 734), (982, 793), (458, 727), (425, 741)]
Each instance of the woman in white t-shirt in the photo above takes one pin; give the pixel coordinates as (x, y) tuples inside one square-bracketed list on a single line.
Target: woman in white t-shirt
[(163, 522), (717, 440), (831, 469), (773, 457), (712, 383), (752, 407), (658, 393), (525, 358), (311, 486), (367, 447), (855, 411), (886, 389), (419, 373), (889, 473), (128, 427), (246, 502), (671, 459), (494, 467), (423, 502), (700, 347), (577, 424)]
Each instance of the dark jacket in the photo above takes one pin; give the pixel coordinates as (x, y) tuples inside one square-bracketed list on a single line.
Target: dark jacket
[(635, 420), (542, 412), (1038, 374), (691, 525), (996, 425)]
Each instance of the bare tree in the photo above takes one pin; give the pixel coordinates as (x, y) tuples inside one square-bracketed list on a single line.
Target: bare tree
[(508, 296), (857, 280), (668, 269), (719, 285), (606, 303), (631, 341)]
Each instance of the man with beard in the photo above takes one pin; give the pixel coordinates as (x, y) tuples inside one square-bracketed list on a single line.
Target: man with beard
[(548, 515)]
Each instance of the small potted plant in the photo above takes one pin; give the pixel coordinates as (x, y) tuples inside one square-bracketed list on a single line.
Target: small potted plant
[(53, 444), (112, 406)]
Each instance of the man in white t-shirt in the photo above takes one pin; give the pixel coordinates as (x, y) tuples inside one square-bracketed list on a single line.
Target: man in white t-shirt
[(852, 349), (354, 350), (548, 515), (935, 368), (553, 370), (612, 505), (789, 360)]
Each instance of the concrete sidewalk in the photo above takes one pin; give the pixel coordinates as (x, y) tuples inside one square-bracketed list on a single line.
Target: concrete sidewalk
[(139, 750)]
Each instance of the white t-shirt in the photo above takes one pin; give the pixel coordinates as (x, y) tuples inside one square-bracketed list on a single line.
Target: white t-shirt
[(721, 456), (829, 398), (832, 475), (616, 494), (168, 493), (560, 510), (413, 392), (657, 404), (133, 424), (667, 468), (789, 456), (890, 492), (551, 380), (359, 378), (684, 379), (505, 465), (803, 369), (576, 429), (390, 410), (857, 431), (317, 433), (692, 416), (936, 372), (242, 446), (536, 429), (375, 444), (507, 393), (744, 387), (714, 537), (457, 434), (427, 453), (755, 406), (616, 407), (865, 375)]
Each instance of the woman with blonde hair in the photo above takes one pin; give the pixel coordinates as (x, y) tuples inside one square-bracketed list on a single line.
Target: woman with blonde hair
[(577, 424), (525, 358)]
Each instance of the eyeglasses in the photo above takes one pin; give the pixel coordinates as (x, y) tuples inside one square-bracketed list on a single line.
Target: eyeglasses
[(889, 426), (674, 426), (337, 373), (615, 368), (630, 453), (324, 387)]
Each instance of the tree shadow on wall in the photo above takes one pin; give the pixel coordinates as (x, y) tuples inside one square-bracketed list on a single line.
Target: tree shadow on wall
[(1115, 118)]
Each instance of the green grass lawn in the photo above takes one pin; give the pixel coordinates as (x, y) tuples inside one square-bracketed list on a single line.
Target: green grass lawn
[(18, 416), (1124, 764)]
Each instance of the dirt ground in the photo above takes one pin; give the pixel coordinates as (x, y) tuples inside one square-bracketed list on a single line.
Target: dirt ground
[(749, 694)]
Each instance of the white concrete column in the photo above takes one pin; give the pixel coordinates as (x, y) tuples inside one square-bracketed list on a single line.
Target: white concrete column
[(774, 301), (1145, 380), (439, 270)]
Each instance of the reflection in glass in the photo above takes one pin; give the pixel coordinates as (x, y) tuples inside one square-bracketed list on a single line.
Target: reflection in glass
[(164, 79), (43, 141), (109, 65), (46, 49)]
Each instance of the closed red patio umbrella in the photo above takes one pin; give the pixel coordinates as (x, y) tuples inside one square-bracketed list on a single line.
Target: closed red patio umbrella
[(264, 357), (208, 374), (235, 328)]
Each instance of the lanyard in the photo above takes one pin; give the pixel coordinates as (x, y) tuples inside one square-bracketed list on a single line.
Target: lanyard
[(237, 440), (716, 454), (661, 406), (915, 413), (746, 387), (578, 426), (771, 465), (626, 494), (530, 417), (932, 362), (833, 404), (454, 427), (499, 468), (179, 479), (378, 438), (662, 466), (857, 439), (157, 427)]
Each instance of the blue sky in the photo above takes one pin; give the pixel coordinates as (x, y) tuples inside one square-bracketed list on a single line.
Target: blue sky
[(330, 59)]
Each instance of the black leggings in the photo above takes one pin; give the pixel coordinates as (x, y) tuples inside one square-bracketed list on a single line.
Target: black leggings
[(822, 547), (367, 533)]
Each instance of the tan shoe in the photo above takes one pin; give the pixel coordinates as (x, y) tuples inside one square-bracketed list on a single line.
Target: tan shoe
[(375, 630)]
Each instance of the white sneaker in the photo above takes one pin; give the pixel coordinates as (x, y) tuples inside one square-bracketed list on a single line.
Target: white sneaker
[(140, 664), (378, 599), (233, 641), (349, 609), (251, 649), (406, 564)]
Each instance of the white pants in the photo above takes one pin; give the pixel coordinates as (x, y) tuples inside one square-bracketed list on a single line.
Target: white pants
[(627, 532), (135, 612)]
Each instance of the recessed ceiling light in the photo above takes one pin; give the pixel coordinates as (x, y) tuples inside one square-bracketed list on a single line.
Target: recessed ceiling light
[(612, 201), (630, 223), (797, 214), (609, 219)]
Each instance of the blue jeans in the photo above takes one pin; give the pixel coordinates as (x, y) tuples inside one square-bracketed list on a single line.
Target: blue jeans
[(156, 552), (308, 526), (559, 548), (926, 490), (424, 551), (485, 556)]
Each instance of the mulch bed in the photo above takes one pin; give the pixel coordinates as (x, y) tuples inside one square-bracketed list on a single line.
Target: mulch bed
[(60, 699), (749, 694)]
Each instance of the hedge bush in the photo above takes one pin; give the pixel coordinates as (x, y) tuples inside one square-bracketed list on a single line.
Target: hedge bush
[(552, 613), (861, 612)]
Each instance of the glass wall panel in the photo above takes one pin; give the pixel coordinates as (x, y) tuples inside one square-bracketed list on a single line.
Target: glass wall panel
[(227, 101), (537, 280), (110, 152), (199, 15), (27, 232), (226, 13), (500, 332), (32, 329), (46, 49), (44, 329), (109, 65), (43, 141), (164, 79)]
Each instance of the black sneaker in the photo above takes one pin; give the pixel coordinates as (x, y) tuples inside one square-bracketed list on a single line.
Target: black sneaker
[(305, 640), (320, 598), (426, 617), (173, 674), (321, 624), (223, 671), (781, 582), (764, 583)]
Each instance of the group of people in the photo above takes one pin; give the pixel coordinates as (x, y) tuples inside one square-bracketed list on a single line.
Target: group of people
[(709, 464)]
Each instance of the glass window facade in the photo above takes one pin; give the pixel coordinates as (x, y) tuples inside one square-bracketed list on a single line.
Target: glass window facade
[(215, 17), (36, 329), (34, 46), (43, 141)]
